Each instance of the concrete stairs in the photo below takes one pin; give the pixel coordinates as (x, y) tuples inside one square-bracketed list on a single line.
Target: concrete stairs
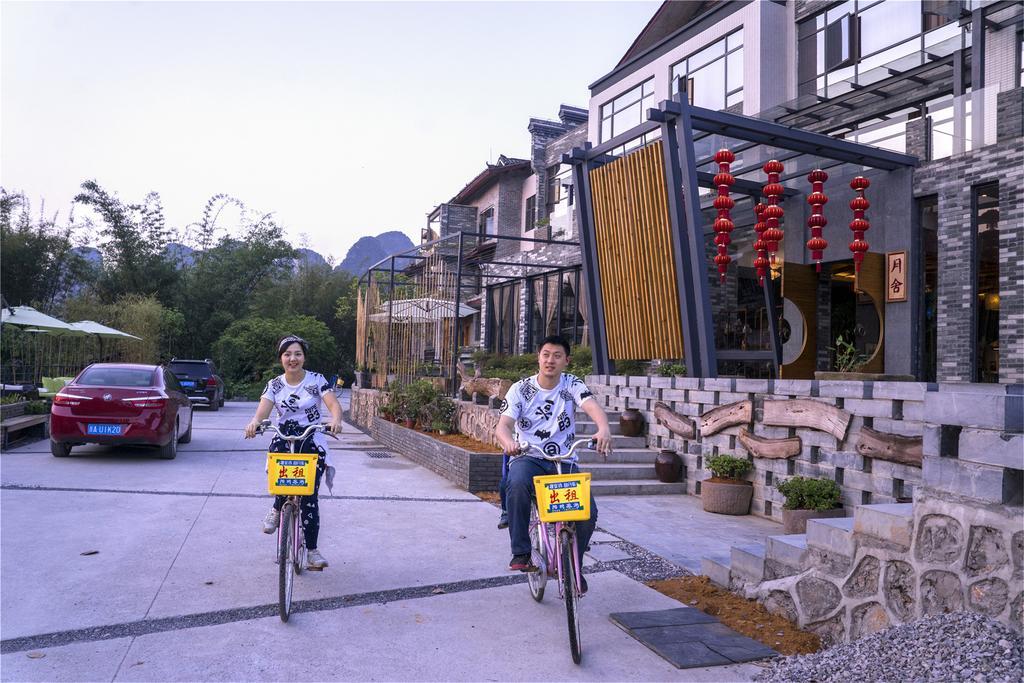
[(831, 540), (629, 470)]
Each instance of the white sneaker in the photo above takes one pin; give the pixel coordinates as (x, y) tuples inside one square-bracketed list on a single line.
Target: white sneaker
[(271, 521), (314, 560)]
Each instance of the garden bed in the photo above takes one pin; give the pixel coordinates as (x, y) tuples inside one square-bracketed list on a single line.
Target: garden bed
[(471, 470)]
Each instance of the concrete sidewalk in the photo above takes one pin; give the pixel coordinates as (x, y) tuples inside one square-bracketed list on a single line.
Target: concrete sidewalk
[(183, 586)]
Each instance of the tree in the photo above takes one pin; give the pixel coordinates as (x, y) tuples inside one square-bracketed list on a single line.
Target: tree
[(38, 264), (134, 252), (246, 351), (227, 279)]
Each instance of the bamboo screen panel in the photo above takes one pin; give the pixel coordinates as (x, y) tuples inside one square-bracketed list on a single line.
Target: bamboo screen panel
[(635, 258)]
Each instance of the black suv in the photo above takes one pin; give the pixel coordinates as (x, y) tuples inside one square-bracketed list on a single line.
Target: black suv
[(200, 381)]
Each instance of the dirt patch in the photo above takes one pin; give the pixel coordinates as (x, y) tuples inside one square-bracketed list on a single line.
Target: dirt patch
[(463, 441), (742, 615), (492, 497)]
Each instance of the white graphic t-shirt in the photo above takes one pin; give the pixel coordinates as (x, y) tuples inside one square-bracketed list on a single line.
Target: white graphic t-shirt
[(546, 418), (299, 406)]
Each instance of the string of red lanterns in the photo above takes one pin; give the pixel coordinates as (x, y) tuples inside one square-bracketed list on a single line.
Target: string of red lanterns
[(859, 224), (760, 246), (817, 199), (773, 212), (724, 203)]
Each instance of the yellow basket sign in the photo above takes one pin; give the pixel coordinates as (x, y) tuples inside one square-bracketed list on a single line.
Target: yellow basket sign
[(291, 474), (563, 497)]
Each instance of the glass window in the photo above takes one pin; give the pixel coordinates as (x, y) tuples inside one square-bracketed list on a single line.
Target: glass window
[(530, 215), (105, 376), (839, 42), (627, 110), (714, 74), (986, 232), (486, 224), (888, 23)]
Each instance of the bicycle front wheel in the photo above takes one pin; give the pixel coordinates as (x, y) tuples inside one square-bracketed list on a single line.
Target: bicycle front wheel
[(537, 579), (572, 596), (285, 562)]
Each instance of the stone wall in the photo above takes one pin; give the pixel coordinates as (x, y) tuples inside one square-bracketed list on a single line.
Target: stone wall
[(897, 408), (466, 469)]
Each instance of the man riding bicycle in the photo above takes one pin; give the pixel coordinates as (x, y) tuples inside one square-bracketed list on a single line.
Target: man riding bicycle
[(541, 410)]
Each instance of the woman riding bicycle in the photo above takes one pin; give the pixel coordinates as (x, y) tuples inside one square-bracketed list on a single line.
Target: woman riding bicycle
[(300, 397)]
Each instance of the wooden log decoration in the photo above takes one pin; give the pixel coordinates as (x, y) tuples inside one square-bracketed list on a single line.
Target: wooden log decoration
[(763, 447), (679, 425), (717, 419), (803, 412), (906, 450)]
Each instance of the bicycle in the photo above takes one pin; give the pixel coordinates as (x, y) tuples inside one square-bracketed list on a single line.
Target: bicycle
[(564, 500), (295, 476)]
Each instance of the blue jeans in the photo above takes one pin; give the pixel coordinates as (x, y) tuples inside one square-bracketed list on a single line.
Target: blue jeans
[(503, 482), (519, 496)]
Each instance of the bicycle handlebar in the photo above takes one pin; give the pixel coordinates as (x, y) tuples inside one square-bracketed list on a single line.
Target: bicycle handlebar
[(268, 426), (556, 458)]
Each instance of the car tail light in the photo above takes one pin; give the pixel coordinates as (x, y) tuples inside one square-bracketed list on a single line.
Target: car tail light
[(210, 382), (62, 399), (152, 401)]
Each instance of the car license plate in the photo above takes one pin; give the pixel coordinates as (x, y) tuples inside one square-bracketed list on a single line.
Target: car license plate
[(104, 430), (187, 383)]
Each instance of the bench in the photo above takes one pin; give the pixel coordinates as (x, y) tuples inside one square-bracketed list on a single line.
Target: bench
[(14, 424)]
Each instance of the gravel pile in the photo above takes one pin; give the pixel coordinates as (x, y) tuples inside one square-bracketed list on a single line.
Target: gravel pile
[(962, 646)]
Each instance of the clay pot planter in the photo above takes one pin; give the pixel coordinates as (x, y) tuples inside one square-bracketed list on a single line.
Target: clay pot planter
[(795, 521), (668, 466), (631, 422), (726, 496)]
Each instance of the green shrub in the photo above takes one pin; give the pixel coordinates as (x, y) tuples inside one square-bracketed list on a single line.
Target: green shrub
[(515, 368), (11, 398), (671, 369), (629, 368), (804, 493), (728, 466), (41, 407)]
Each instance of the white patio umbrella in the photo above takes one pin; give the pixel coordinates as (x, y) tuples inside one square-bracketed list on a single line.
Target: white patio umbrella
[(424, 310), (100, 330), (37, 324)]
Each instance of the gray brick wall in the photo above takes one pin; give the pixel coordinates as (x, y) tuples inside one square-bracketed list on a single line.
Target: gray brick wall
[(457, 218), (1010, 118), (952, 180)]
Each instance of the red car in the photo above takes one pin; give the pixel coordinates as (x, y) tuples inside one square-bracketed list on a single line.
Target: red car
[(121, 403)]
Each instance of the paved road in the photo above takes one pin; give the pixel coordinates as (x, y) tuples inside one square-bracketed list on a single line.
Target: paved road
[(183, 586)]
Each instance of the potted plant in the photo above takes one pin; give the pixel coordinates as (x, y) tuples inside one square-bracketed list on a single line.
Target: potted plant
[(726, 492), (808, 498)]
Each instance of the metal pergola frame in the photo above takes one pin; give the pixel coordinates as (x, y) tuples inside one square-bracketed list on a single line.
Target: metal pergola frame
[(680, 124), (462, 240)]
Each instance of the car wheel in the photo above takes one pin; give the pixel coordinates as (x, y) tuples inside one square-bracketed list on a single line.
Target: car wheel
[(169, 451), (222, 400), (60, 450), (214, 403), (187, 436)]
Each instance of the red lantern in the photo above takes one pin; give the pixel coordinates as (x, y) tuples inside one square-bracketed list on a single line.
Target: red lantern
[(817, 222), (760, 246), (773, 212), (723, 202), (859, 224)]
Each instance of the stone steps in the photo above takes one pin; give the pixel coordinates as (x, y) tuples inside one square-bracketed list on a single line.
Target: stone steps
[(585, 426), (788, 554), (610, 471), (747, 561), (833, 535), (624, 455), (789, 550), (888, 521), (634, 487)]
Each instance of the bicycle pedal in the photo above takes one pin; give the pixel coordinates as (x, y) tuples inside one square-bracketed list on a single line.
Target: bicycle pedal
[(315, 569)]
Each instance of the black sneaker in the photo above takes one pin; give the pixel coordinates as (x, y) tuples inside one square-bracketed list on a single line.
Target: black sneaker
[(521, 563), (503, 520)]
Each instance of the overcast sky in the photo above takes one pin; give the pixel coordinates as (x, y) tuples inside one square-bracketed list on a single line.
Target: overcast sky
[(345, 119)]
